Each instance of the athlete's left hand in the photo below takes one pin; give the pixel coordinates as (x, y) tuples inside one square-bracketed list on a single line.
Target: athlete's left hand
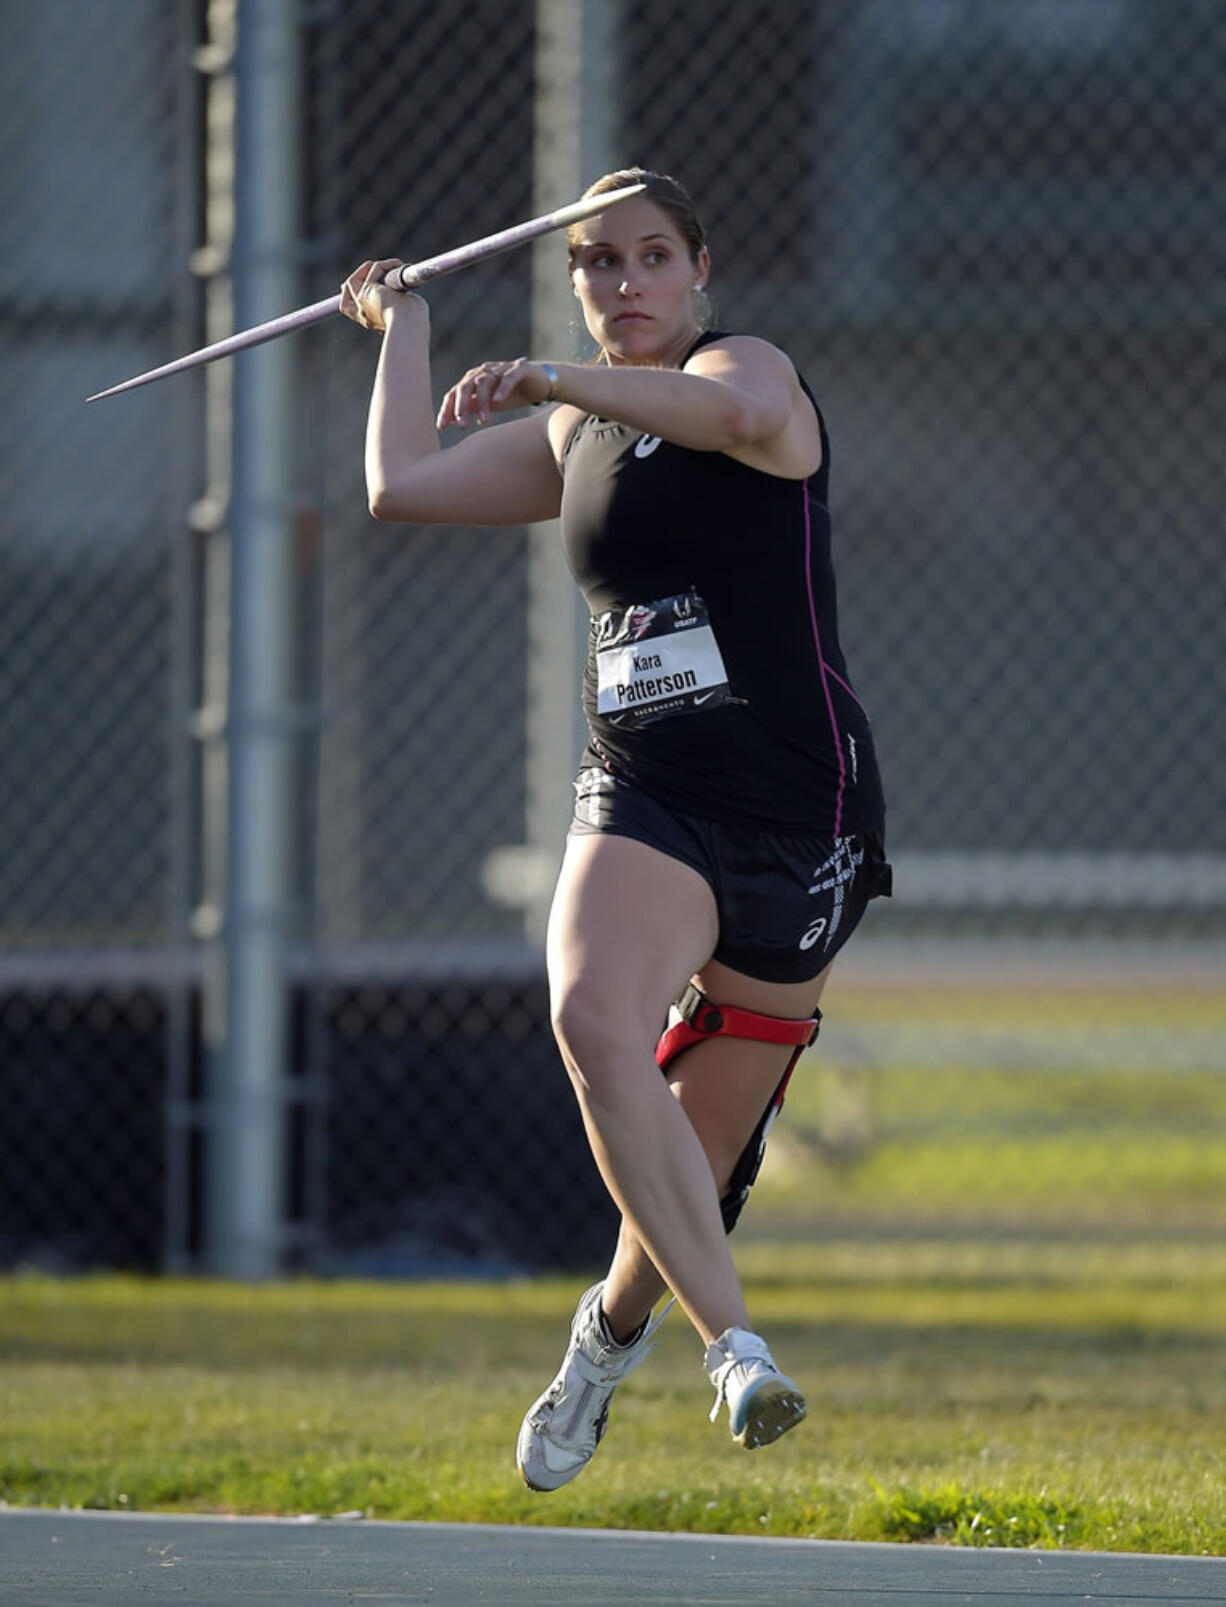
[(493, 388)]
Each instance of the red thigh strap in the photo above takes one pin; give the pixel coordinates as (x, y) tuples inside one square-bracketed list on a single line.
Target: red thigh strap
[(701, 1019)]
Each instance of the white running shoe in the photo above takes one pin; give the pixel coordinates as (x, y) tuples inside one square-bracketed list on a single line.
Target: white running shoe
[(559, 1435), (762, 1402)]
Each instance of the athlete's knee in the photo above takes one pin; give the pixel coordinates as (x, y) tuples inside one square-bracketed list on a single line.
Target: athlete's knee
[(595, 1037)]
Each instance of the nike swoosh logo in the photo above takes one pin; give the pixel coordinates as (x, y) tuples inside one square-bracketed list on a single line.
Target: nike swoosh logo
[(699, 701)]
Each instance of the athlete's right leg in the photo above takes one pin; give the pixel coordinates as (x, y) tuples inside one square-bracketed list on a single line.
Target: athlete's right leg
[(630, 925)]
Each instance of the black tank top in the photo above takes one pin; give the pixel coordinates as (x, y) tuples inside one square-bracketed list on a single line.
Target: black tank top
[(787, 744)]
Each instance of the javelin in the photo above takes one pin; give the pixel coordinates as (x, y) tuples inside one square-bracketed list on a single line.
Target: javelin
[(407, 277)]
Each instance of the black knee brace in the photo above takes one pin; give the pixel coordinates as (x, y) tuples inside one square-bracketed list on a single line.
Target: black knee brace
[(699, 1019)]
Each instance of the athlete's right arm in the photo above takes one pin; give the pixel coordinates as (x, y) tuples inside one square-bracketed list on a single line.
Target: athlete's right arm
[(502, 476)]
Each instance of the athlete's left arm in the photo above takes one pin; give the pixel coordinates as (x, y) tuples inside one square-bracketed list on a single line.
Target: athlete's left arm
[(738, 395), (780, 429)]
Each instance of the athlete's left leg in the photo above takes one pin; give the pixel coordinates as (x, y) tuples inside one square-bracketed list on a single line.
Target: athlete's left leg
[(724, 1085)]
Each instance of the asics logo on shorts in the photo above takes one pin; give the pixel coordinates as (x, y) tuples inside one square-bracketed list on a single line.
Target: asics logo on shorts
[(646, 445), (834, 876)]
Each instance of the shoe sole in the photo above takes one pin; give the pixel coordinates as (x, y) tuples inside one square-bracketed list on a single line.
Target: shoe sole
[(772, 1411), (560, 1480)]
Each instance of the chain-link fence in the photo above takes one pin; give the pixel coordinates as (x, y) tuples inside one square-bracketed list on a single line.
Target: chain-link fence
[(989, 237)]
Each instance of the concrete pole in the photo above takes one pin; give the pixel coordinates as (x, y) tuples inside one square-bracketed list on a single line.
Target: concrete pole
[(248, 1170), (575, 137)]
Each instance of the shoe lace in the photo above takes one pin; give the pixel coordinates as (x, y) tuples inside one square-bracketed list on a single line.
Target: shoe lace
[(745, 1353), (720, 1380)]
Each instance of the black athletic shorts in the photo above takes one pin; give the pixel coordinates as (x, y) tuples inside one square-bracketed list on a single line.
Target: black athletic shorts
[(787, 902)]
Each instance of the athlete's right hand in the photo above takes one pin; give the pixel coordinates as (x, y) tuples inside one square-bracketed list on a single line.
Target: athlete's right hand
[(368, 301)]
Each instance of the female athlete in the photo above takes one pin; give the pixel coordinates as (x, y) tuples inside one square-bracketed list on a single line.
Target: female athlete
[(728, 825)]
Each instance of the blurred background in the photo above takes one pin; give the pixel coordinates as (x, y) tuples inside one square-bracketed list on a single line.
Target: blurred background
[(283, 789)]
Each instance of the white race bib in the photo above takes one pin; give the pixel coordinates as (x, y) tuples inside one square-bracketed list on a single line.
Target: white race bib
[(656, 659)]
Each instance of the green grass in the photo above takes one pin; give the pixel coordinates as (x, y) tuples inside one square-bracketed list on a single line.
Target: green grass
[(989, 1239), (1071, 1410), (1129, 1150)]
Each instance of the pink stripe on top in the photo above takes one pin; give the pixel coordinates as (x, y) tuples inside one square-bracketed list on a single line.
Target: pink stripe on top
[(821, 664), (850, 690)]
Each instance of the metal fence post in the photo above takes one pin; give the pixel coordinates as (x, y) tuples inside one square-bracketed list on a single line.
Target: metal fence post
[(247, 1182)]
